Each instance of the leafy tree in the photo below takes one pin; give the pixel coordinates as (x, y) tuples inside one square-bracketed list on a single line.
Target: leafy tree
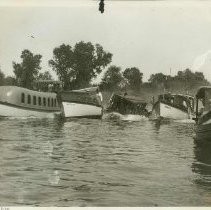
[(27, 71), (63, 63), (43, 86), (44, 76), (184, 82), (77, 66), (190, 80), (2, 77), (199, 76), (187, 74), (112, 78), (157, 78), (190, 76), (9, 81), (134, 77)]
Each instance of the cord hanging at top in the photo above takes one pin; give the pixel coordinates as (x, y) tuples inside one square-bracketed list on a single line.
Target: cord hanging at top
[(101, 6)]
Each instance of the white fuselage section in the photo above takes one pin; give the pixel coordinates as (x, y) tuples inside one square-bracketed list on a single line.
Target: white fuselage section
[(208, 122), (81, 110), (170, 112), (12, 111)]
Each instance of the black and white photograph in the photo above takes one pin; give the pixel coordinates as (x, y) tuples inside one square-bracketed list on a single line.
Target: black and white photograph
[(105, 103)]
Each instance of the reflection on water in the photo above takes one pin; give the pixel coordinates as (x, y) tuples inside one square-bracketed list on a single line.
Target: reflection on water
[(202, 167), (109, 162)]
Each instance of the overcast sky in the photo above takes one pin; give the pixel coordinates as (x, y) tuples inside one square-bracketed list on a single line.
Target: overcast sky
[(154, 36)]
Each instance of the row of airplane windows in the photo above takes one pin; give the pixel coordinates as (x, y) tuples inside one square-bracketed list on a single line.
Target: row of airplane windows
[(41, 101)]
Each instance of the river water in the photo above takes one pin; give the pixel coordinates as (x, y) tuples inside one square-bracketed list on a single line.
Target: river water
[(128, 161)]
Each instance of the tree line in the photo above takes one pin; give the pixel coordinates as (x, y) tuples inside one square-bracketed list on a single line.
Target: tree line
[(77, 66)]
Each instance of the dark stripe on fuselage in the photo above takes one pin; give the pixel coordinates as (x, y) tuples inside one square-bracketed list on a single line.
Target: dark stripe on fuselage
[(86, 116), (90, 104), (28, 108)]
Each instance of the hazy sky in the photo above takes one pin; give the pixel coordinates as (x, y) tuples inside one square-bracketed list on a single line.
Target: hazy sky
[(151, 35)]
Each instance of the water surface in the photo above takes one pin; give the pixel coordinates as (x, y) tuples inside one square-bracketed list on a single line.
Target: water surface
[(86, 162)]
